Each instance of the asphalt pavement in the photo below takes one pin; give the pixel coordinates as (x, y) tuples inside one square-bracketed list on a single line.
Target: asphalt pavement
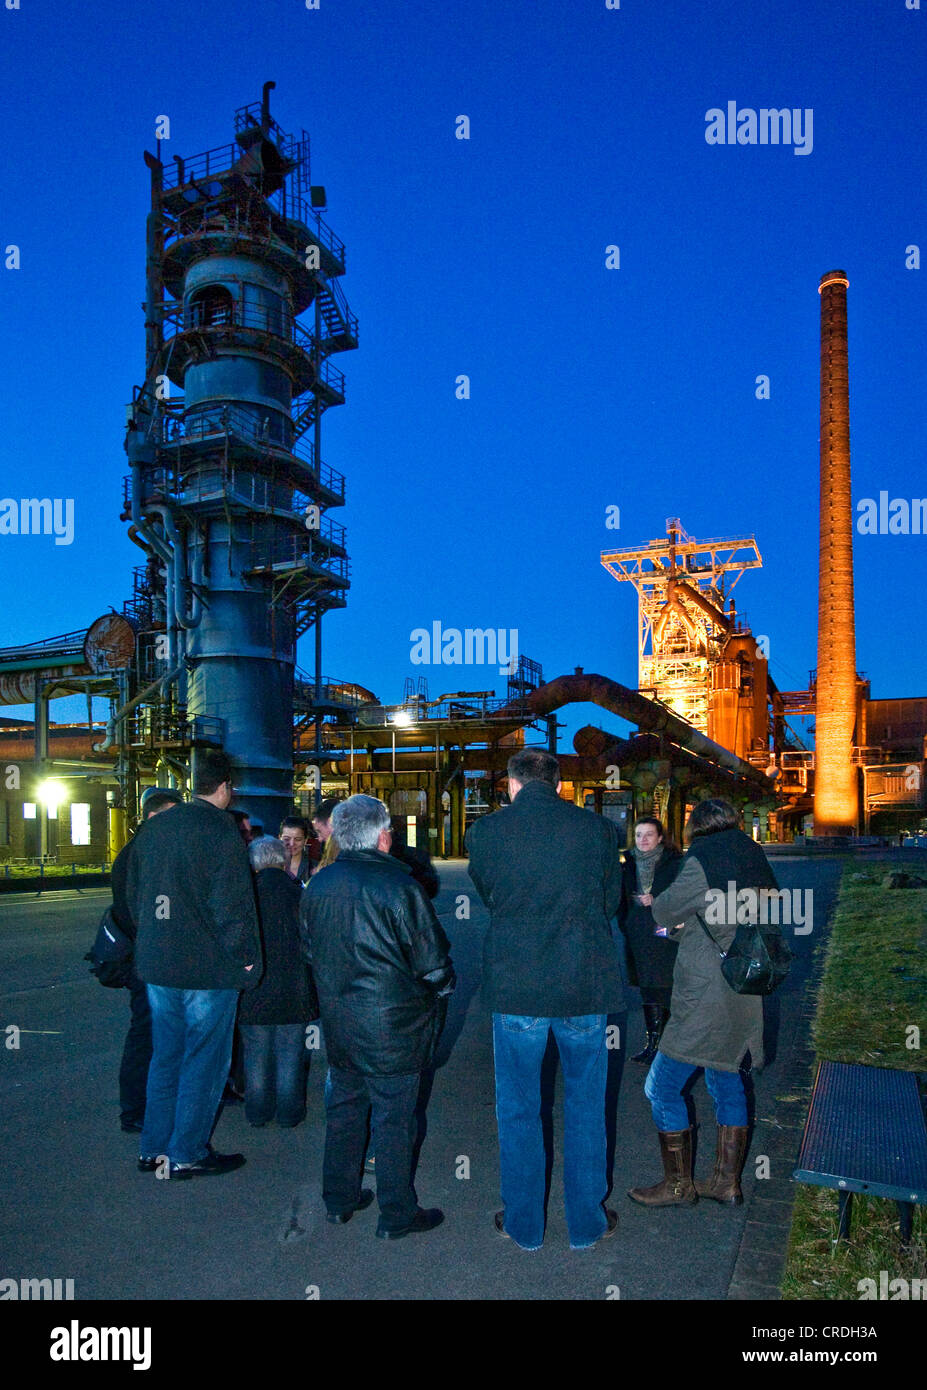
[(74, 1206)]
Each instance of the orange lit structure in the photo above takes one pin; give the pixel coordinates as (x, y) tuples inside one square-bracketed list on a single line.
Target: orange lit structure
[(694, 654), (836, 796)]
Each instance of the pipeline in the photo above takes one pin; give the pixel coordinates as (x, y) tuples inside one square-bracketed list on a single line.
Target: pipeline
[(160, 684), (637, 709)]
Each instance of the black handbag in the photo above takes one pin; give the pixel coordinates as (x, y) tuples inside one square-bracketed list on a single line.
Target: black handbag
[(757, 960), (111, 954)]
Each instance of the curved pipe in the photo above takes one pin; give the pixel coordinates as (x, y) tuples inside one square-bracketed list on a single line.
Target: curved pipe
[(630, 705), (160, 684), (701, 602), (265, 102), (672, 605)]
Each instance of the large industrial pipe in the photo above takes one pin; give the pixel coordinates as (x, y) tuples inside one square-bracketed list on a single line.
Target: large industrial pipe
[(835, 784), (600, 690)]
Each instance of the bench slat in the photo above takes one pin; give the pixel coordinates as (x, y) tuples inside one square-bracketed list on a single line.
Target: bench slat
[(865, 1132)]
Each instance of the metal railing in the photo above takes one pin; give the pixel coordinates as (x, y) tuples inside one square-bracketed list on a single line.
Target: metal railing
[(214, 422), (298, 210), (261, 318), (333, 692), (201, 166), (448, 711), (301, 552), (251, 489)]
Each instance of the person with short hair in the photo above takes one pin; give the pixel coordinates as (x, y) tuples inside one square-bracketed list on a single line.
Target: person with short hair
[(383, 972), (294, 833), (136, 1052), (710, 1026), (272, 1018), (550, 965), (190, 891), (322, 817)]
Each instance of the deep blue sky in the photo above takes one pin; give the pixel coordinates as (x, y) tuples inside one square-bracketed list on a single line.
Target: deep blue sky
[(590, 387)]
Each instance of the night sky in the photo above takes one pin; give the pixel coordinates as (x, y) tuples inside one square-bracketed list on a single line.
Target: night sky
[(590, 387)]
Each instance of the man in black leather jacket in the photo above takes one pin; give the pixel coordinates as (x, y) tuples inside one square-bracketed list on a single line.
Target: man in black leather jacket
[(383, 972)]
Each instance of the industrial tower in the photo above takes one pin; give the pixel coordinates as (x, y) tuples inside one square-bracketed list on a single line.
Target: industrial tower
[(836, 776), (693, 655), (228, 493)]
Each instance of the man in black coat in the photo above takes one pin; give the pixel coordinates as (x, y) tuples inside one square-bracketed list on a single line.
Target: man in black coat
[(191, 894), (383, 971), (550, 874), (136, 1053)]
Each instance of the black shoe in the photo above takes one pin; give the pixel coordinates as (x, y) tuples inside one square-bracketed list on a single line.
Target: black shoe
[(612, 1218), (655, 1017), (649, 1050), (210, 1166), (340, 1218), (423, 1220), (131, 1126), (148, 1165), (499, 1222)]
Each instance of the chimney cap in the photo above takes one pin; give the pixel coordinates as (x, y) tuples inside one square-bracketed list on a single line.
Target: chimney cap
[(833, 277)]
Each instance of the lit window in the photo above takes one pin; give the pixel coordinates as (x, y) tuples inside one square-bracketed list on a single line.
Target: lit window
[(28, 810), (80, 823)]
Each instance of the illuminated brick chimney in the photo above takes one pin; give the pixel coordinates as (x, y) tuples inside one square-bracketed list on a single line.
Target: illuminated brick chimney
[(835, 797)]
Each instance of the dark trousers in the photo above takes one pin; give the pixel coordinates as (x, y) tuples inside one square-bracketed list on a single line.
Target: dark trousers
[(389, 1103), (136, 1055), (276, 1066)]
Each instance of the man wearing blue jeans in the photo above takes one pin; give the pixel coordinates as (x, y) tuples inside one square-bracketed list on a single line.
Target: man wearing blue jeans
[(198, 945), (550, 874)]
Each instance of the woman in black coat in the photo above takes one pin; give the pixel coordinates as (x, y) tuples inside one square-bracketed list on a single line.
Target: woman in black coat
[(649, 868), (273, 1017)]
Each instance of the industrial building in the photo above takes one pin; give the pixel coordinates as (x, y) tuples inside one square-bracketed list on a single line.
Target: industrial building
[(233, 506)]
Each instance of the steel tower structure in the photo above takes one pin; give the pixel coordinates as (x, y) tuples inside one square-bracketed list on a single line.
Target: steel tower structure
[(228, 493), (685, 614)]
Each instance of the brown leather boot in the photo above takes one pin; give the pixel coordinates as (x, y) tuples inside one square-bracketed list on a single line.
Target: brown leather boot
[(724, 1183), (677, 1188)]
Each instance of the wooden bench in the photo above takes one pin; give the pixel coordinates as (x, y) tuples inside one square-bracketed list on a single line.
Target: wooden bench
[(866, 1132)]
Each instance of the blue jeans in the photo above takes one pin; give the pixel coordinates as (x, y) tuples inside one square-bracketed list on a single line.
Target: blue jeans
[(664, 1085), (191, 1033), (276, 1063), (519, 1043)]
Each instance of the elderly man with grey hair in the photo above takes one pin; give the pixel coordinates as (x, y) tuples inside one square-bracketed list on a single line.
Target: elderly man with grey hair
[(273, 1018), (383, 971)]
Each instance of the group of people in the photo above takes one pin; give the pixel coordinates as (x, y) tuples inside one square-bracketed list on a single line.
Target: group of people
[(349, 939)]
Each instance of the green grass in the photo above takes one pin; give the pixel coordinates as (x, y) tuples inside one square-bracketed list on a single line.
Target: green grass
[(51, 870), (819, 1269), (872, 994), (875, 978)]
